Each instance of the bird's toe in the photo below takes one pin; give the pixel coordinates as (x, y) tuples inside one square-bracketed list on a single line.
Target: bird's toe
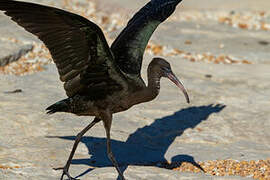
[(65, 173)]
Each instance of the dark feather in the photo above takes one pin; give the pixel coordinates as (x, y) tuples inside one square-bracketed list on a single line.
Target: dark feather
[(61, 106), (130, 45), (77, 45)]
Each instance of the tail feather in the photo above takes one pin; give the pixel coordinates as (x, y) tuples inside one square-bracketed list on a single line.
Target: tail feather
[(60, 106)]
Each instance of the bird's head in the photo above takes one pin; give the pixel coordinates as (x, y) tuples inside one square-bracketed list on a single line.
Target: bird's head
[(163, 68)]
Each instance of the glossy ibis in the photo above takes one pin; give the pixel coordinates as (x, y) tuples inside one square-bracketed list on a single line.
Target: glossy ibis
[(99, 81)]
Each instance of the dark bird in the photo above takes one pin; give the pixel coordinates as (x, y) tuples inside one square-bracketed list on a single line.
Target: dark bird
[(99, 81)]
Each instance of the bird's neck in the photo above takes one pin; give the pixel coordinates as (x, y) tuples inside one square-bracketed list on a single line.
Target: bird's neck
[(149, 92), (153, 87)]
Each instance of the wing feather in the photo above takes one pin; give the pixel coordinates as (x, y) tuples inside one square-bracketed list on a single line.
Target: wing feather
[(130, 45), (77, 45)]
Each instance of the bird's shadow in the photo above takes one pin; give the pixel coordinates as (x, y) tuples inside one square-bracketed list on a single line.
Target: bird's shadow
[(146, 146)]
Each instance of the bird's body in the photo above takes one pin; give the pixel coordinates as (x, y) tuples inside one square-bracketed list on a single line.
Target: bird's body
[(136, 92), (99, 80), (86, 106)]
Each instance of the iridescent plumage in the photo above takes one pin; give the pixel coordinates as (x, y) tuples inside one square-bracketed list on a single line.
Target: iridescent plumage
[(98, 80)]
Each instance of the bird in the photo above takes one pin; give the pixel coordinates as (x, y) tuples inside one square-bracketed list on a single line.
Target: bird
[(99, 80)]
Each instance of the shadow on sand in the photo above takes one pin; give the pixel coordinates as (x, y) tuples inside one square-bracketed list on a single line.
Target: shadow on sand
[(148, 145)]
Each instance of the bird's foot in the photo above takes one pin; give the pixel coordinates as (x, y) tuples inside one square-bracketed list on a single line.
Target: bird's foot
[(123, 178), (65, 172)]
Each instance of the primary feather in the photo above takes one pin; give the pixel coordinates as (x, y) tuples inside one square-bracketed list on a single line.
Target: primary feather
[(78, 47), (129, 46)]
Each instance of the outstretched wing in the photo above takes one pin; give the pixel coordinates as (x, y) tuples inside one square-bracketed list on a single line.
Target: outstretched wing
[(78, 47), (130, 45)]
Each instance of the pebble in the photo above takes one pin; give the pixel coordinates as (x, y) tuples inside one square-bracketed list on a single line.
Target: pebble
[(259, 169)]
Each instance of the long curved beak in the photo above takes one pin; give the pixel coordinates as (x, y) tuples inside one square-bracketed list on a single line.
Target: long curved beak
[(178, 83)]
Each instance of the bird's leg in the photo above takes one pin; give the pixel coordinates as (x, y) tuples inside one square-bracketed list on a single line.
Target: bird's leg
[(77, 140), (107, 121)]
